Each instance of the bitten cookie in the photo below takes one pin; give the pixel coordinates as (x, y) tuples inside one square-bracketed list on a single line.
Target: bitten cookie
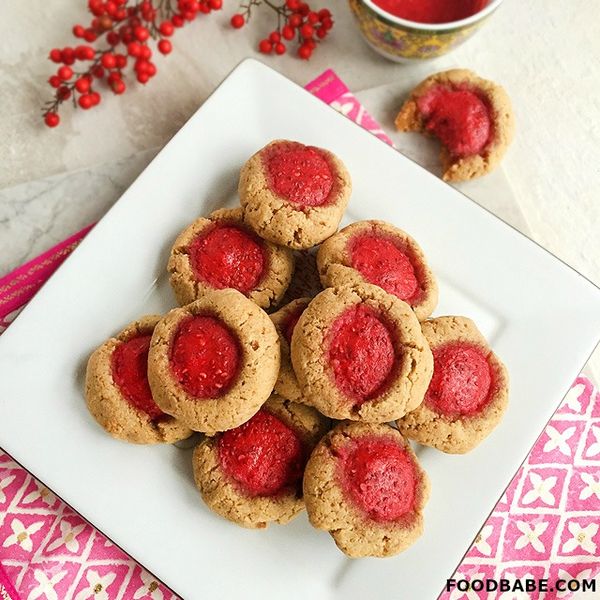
[(468, 393), (379, 253), (117, 392), (252, 475), (285, 320), (213, 363), (472, 117), (364, 485), (221, 252), (294, 195), (359, 354)]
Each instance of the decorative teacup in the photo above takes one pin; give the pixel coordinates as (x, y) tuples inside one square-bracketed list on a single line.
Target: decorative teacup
[(402, 40)]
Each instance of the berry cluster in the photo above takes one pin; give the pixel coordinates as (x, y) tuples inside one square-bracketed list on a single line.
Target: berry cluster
[(126, 27), (295, 21)]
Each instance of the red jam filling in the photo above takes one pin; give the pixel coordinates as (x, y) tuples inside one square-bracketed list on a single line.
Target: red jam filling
[(264, 456), (361, 353), (458, 117), (228, 257), (289, 324), (129, 365), (298, 173), (383, 263), (205, 356), (462, 380), (380, 477), (432, 11)]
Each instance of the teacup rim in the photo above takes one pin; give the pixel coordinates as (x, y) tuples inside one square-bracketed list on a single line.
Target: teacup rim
[(493, 4)]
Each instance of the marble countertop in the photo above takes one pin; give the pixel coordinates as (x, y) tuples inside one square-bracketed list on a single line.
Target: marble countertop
[(53, 182)]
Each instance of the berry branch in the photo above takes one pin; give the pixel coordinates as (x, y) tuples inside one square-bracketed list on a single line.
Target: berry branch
[(295, 20), (124, 28)]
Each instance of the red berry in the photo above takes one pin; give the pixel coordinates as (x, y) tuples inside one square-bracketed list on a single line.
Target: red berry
[(108, 61), (177, 20), (304, 52), (95, 96), (312, 18), (141, 66), (165, 46), (104, 23), (321, 32), (65, 73), (237, 21), (145, 52), (293, 4), (306, 31), (54, 81), (98, 72), (327, 22), (141, 33), (295, 20), (82, 85), (143, 77), (85, 101), (166, 28), (110, 7), (78, 31), (96, 7), (121, 61), (265, 46), (63, 92), (133, 48), (67, 56), (81, 53), (113, 76), (215, 4), (280, 48), (51, 119), (90, 35), (118, 86), (55, 56), (303, 9), (287, 32), (324, 13), (113, 38), (275, 37)]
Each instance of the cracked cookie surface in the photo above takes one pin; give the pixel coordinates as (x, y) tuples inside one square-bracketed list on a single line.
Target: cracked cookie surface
[(252, 475), (377, 252), (468, 394), (221, 252), (117, 392), (359, 354), (294, 195), (364, 485), (214, 362)]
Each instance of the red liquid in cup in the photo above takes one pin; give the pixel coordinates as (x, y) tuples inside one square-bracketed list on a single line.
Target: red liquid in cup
[(432, 11)]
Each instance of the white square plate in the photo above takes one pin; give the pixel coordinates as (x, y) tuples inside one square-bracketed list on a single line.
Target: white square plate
[(541, 317)]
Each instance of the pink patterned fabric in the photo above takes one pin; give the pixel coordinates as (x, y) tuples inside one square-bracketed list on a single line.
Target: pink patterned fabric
[(19, 286), (546, 524), (332, 90)]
